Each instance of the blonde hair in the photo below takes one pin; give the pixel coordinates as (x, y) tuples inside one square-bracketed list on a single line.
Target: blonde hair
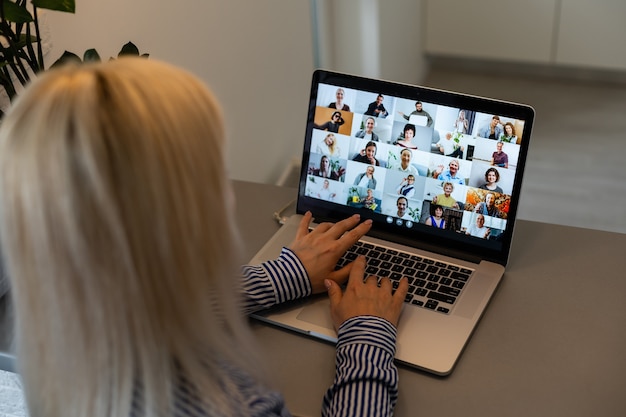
[(118, 237)]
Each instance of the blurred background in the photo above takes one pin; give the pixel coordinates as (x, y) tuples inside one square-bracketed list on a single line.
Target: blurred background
[(563, 57)]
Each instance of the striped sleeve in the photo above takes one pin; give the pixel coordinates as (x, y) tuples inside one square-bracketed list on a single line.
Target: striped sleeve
[(274, 282), (366, 379)]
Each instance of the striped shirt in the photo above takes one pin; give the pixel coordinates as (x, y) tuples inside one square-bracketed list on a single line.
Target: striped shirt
[(366, 378)]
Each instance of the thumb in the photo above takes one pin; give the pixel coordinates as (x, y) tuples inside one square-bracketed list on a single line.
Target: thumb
[(334, 292)]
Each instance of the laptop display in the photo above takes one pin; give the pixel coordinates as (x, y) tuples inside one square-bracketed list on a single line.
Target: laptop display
[(426, 165)]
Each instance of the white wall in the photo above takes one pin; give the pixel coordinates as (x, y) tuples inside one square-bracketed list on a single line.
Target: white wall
[(373, 38), (255, 55)]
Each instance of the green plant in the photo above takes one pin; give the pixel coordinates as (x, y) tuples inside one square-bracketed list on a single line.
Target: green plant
[(21, 54), (91, 55), (415, 213)]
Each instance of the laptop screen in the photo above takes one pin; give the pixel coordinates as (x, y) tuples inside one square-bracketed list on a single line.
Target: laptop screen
[(432, 168)]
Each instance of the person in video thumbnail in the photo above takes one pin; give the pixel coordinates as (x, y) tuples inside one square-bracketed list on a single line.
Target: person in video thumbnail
[(446, 198), (493, 130), (492, 176), (402, 205), (405, 163), (369, 202), (449, 147), (419, 111), (325, 192), (339, 104), (366, 179), (325, 170), (488, 207), (333, 125), (407, 186), (499, 158), (461, 124), (368, 155), (436, 219), (450, 174), (408, 133), (478, 229), (329, 146), (368, 132), (376, 108), (509, 133)]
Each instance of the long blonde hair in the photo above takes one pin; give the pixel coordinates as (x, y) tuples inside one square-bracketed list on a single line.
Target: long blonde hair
[(117, 233)]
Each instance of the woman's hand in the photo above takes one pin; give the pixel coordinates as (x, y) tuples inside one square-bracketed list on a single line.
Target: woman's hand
[(369, 297), (320, 249)]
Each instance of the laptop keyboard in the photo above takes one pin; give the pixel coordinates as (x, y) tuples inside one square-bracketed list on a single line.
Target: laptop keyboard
[(433, 284)]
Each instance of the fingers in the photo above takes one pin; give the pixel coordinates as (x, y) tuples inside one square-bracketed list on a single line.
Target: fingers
[(401, 291), (303, 227), (357, 272), (334, 293), (338, 229)]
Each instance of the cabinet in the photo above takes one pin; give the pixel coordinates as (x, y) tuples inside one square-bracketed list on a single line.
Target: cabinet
[(581, 33), (592, 34)]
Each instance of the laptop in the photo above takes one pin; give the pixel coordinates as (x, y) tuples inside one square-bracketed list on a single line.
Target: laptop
[(440, 175)]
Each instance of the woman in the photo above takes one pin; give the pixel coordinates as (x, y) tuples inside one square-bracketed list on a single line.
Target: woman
[(405, 163), (368, 132), (366, 179), (369, 201), (437, 220), (406, 141), (492, 176), (407, 186), (325, 170), (329, 146), (333, 125), (339, 104), (461, 124), (117, 233), (509, 133), (368, 155)]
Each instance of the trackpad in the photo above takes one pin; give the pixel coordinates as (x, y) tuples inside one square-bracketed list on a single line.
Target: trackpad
[(317, 313)]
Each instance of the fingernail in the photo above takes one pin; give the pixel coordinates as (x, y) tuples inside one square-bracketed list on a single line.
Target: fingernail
[(327, 284)]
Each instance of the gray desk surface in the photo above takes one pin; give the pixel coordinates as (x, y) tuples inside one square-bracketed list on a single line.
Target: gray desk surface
[(551, 343)]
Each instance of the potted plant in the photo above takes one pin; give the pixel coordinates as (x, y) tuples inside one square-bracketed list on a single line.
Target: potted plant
[(21, 53)]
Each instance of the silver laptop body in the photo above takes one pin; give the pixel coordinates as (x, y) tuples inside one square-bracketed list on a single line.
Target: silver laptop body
[(429, 338)]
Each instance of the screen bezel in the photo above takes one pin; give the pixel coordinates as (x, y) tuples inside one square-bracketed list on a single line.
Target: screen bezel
[(420, 235)]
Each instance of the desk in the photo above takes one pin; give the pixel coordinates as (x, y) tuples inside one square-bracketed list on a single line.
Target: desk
[(543, 347)]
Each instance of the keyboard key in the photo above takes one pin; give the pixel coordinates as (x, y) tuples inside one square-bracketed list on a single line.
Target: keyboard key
[(441, 297), (458, 284), (408, 262), (460, 275), (449, 291)]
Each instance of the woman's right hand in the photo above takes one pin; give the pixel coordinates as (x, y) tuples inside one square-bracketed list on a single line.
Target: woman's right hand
[(365, 297)]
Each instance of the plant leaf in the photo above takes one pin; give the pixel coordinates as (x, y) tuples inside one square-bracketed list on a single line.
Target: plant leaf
[(15, 13), (91, 55), (68, 6), (66, 58), (129, 49)]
